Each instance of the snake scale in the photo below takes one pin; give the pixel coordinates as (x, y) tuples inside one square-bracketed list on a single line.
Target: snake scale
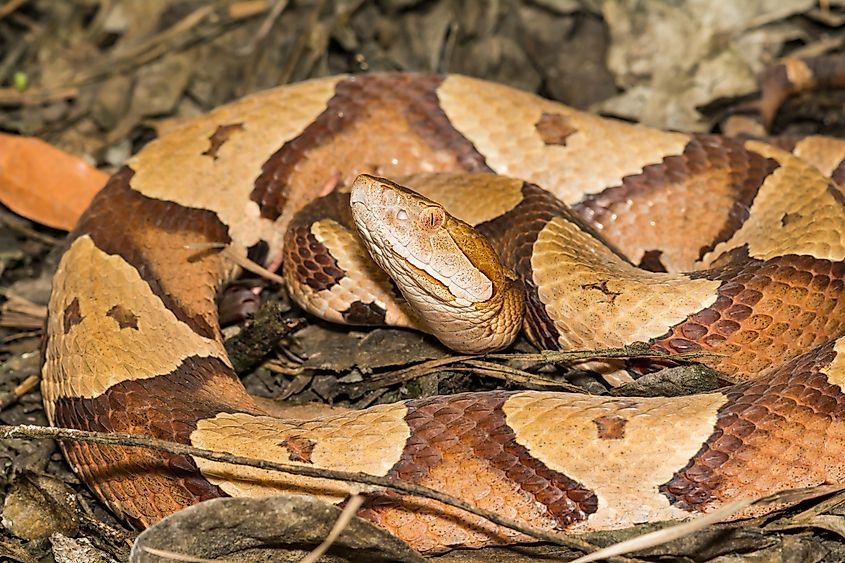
[(596, 222)]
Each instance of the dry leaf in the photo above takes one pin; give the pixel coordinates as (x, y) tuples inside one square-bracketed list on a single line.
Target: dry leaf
[(38, 506), (670, 58), (44, 184), (275, 528)]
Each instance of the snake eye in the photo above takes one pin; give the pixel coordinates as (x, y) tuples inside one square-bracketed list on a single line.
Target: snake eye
[(432, 217), (402, 215)]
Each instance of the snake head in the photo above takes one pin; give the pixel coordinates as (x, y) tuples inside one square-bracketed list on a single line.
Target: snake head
[(446, 270)]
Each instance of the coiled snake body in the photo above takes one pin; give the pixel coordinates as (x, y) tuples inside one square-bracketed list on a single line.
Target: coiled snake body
[(134, 345)]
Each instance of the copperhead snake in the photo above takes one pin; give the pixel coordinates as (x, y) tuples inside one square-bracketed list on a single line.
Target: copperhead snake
[(133, 344)]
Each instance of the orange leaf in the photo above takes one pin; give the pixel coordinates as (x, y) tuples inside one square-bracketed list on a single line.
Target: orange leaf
[(44, 184)]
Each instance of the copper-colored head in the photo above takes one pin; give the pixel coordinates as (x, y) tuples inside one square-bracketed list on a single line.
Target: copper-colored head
[(445, 269)]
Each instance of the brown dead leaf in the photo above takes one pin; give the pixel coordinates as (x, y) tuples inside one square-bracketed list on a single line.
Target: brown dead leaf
[(276, 528), (38, 506), (45, 184)]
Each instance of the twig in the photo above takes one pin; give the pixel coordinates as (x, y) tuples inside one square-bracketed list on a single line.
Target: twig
[(267, 25), (244, 263), (19, 312), (36, 96), (296, 52), (634, 352), (401, 375), (665, 535), (205, 21), (380, 483), (22, 389), (514, 375), (476, 364), (20, 226), (349, 511), (10, 7)]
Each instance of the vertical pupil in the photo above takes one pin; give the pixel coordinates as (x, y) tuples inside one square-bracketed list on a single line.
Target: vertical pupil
[(431, 217)]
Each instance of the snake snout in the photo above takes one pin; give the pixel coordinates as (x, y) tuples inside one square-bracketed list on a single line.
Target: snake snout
[(376, 193), (364, 189)]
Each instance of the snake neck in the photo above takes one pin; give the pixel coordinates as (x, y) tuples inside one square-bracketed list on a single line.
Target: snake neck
[(588, 298)]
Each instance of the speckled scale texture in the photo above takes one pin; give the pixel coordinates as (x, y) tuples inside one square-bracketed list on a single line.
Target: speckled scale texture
[(123, 475), (682, 206), (514, 234), (783, 430), (409, 134), (765, 312), (468, 435), (156, 225), (304, 254)]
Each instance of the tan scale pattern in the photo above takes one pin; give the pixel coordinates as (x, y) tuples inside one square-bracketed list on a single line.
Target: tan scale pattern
[(500, 122), (368, 441), (835, 372), (765, 313), (626, 473), (364, 282), (601, 301), (458, 193), (825, 153), (783, 430), (682, 206), (411, 137), (467, 435), (175, 168), (676, 232), (430, 526), (784, 221), (96, 353)]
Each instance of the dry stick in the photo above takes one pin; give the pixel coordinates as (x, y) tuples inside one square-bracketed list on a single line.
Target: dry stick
[(245, 263), (479, 366), (150, 49), (634, 351), (401, 375), (546, 356), (676, 531), (17, 224), (21, 313), (118, 439), (10, 7), (349, 511), (665, 535), (514, 375), (22, 389), (820, 508), (180, 35), (36, 96), (296, 53), (265, 28)]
